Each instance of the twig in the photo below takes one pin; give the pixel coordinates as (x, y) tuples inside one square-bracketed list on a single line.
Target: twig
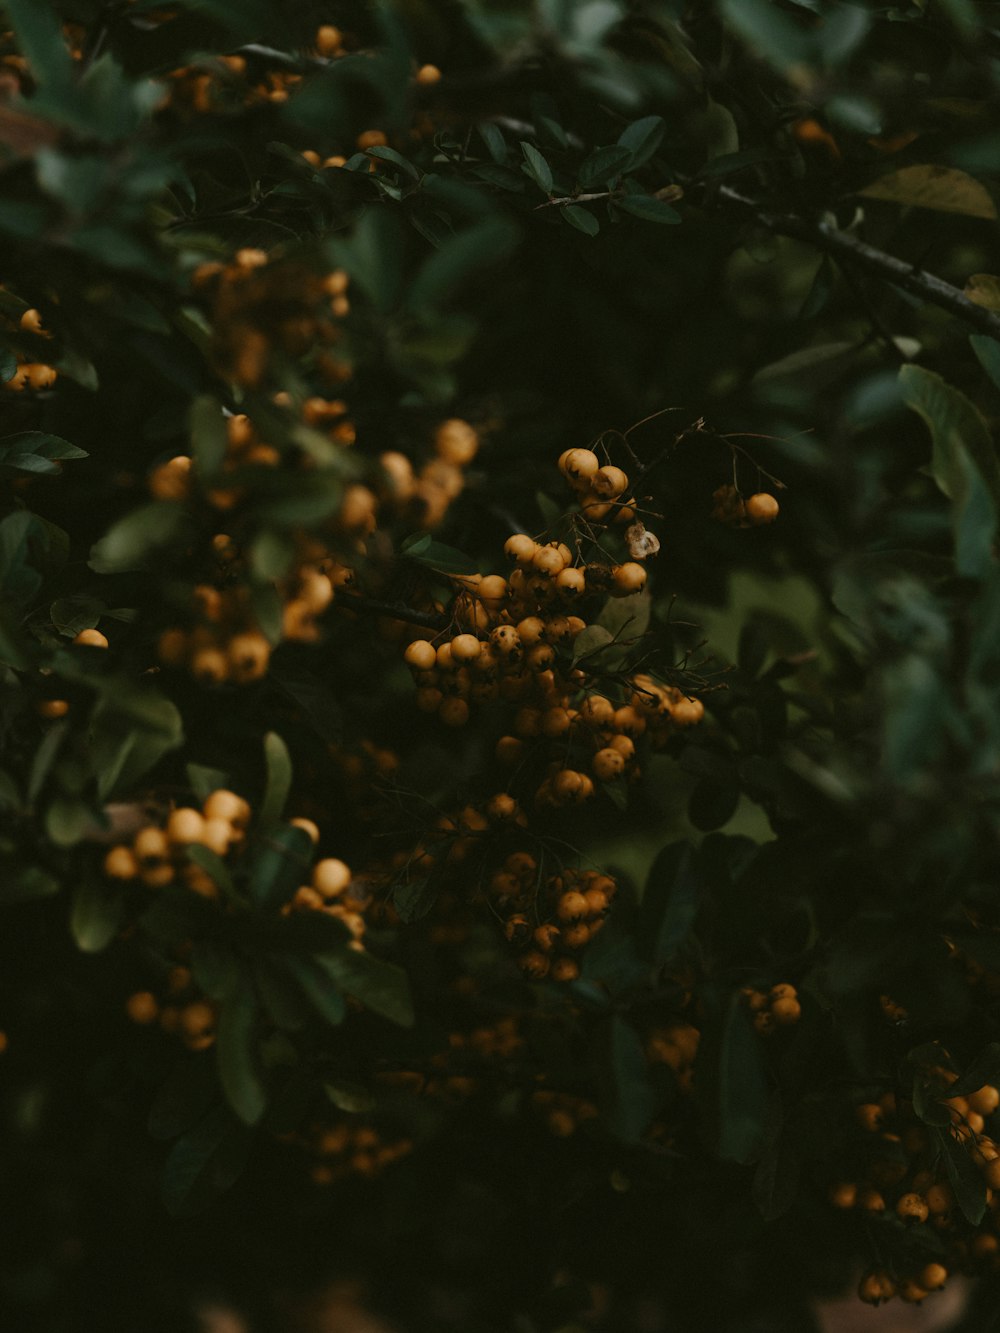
[(396, 611), (849, 248), (565, 200)]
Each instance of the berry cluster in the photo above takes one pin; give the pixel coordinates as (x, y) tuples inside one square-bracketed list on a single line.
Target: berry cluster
[(32, 373), (734, 511), (902, 1172), (549, 923), (778, 1007)]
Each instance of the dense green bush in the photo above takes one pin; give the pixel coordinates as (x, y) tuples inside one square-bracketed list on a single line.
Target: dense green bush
[(639, 945)]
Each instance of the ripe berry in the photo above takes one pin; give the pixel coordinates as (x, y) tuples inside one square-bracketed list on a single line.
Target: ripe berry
[(453, 712), (427, 75), (455, 440), (565, 969), (92, 638), (308, 827), (911, 1208), (224, 804), (465, 648), (330, 877), (121, 863), (843, 1195), (578, 465), (150, 844), (571, 906), (521, 548), (761, 509), (571, 582), (628, 578), (185, 825), (608, 764), (786, 1011), (985, 1101), (609, 482), (142, 1007)]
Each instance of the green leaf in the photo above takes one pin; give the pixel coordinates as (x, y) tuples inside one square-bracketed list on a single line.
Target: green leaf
[(34, 451), (743, 1091), (776, 1180), (988, 352), (70, 615), (27, 884), (444, 272), (209, 438), (603, 166), (626, 617), (984, 1069), (397, 159), (214, 967), (187, 1094), (40, 41), (589, 643), (964, 463), (205, 1163), (642, 138), (627, 1098), (649, 209), (319, 988), (236, 1054), (203, 780), (380, 986), (96, 914), (282, 862), (928, 185), (670, 903), (135, 539), (964, 1178), (581, 218), (279, 780), (537, 167), (496, 144), (435, 555)]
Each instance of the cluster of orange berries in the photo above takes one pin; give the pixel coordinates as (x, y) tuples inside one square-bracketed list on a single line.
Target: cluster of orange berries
[(599, 488), (333, 890), (675, 1046), (31, 373), (260, 306), (904, 1173), (158, 856), (550, 923), (456, 1073), (755, 511), (778, 1007), (181, 1011), (347, 1148), (562, 1113)]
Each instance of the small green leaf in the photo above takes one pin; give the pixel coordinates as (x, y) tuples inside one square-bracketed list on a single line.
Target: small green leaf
[(537, 168), (642, 138), (236, 1054), (209, 438), (988, 352), (743, 1092), (322, 992), (382, 987), (133, 541), (964, 1178), (96, 914), (627, 1098), (187, 1094), (603, 166), (214, 967), (205, 1163), (281, 863), (670, 903), (581, 218), (650, 209), (279, 779)]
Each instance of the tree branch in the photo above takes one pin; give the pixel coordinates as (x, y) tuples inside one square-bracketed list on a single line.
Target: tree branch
[(568, 199), (395, 610), (850, 249)]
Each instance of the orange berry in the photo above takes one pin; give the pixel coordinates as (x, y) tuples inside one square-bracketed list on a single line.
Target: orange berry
[(330, 877), (628, 578), (92, 638), (185, 825), (761, 509), (142, 1007), (121, 863), (608, 764)]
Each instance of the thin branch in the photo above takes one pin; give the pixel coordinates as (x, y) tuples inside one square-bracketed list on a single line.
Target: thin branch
[(565, 200), (849, 248), (395, 610)]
